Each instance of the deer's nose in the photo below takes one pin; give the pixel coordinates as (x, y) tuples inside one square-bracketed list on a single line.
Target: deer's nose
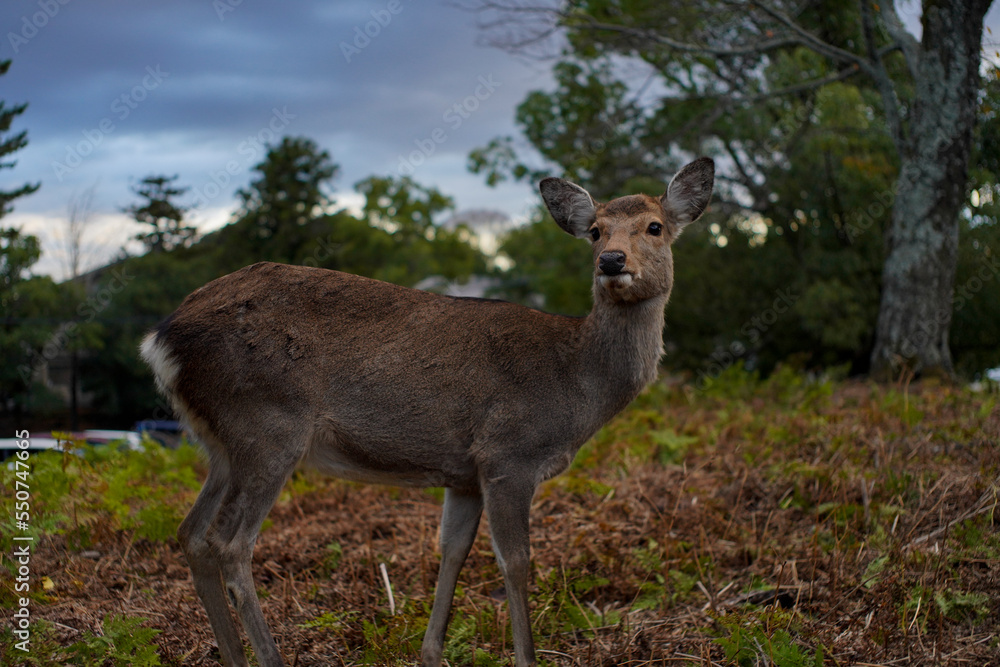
[(611, 262)]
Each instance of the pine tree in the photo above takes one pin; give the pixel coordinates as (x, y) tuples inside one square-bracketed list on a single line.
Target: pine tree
[(11, 144), (21, 297), (165, 218), (286, 196)]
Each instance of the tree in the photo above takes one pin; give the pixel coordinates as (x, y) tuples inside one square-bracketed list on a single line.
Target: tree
[(11, 144), (414, 246), (78, 217), (289, 193), (934, 146), (717, 63), (79, 213), (164, 218), (591, 126), (29, 305), (21, 334), (547, 263)]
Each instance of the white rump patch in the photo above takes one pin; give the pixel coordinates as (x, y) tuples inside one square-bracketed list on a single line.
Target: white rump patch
[(158, 357)]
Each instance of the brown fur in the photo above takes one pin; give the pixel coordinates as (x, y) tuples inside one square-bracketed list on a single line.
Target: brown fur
[(275, 365)]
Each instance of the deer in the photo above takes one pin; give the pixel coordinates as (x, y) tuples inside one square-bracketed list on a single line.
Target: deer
[(276, 366)]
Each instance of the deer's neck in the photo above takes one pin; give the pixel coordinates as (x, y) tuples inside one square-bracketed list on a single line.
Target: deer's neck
[(622, 345)]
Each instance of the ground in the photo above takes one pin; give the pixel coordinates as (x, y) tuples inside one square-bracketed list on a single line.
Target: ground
[(794, 521)]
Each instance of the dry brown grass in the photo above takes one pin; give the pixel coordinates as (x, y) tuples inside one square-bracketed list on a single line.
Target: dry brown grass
[(852, 522)]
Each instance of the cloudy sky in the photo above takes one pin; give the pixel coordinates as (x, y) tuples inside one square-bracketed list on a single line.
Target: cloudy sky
[(121, 90)]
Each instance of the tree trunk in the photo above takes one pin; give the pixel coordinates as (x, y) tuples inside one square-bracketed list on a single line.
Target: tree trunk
[(922, 241), (74, 409)]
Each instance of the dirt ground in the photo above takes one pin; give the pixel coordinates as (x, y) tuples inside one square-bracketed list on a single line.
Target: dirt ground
[(864, 535)]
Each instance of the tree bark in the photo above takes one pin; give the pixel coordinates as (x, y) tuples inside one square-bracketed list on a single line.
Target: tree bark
[(922, 241)]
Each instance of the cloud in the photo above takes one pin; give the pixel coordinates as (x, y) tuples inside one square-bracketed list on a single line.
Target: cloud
[(86, 74)]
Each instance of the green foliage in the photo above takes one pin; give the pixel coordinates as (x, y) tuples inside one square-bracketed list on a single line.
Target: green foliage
[(158, 211), (550, 268), (924, 605), (92, 492), (388, 637), (587, 126), (653, 592), (561, 603), (977, 538), (30, 305), (785, 384), (26, 302), (765, 637), (466, 632), (289, 193), (332, 621), (11, 144), (788, 260), (414, 245), (123, 641), (334, 552), (898, 404)]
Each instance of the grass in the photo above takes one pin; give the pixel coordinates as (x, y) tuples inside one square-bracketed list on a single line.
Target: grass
[(788, 521)]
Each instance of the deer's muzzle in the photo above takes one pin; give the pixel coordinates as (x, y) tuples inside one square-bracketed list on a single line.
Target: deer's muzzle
[(611, 262)]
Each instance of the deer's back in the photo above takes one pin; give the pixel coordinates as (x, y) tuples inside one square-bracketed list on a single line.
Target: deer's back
[(389, 377)]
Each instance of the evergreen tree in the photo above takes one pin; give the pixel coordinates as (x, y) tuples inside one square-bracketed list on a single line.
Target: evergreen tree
[(23, 299), (11, 144), (288, 194), (165, 219)]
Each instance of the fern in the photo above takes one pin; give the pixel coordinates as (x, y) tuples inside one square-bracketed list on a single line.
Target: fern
[(124, 642)]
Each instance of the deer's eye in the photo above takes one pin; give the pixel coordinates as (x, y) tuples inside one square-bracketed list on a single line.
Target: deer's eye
[(595, 233), (654, 229)]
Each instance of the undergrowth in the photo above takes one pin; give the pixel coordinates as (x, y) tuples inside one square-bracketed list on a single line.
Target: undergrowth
[(121, 641), (791, 521)]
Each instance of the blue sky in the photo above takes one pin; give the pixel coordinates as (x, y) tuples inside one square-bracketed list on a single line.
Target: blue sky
[(121, 90)]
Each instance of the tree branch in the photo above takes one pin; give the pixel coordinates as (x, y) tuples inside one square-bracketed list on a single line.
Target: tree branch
[(881, 77), (687, 47), (907, 43), (807, 39), (845, 73)]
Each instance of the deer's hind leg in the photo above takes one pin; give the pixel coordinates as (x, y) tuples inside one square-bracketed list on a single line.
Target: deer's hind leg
[(265, 463), (249, 465), (204, 565)]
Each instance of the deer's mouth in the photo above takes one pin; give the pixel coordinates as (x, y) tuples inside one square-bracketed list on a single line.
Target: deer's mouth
[(617, 281)]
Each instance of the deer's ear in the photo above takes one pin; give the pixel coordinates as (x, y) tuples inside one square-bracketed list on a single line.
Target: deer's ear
[(571, 206), (690, 191)]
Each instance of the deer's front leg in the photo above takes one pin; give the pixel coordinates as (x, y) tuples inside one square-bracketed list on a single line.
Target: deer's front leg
[(459, 522), (508, 503)]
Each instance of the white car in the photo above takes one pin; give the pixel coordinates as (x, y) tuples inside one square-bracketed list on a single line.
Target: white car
[(38, 443)]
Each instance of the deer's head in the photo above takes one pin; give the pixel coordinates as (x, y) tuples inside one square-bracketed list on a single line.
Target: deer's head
[(631, 236)]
